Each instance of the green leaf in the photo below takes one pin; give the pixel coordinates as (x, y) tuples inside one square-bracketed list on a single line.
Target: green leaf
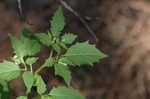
[(28, 79), (5, 85), (57, 23), (22, 97), (83, 53), (37, 97), (10, 75), (17, 45), (26, 33), (63, 71), (49, 62), (31, 47), (31, 60), (65, 93), (65, 61), (46, 97), (68, 38), (9, 70), (5, 93), (25, 46), (41, 86), (56, 47), (44, 38)]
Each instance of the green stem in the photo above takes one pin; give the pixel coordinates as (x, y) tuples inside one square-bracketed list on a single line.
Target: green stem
[(49, 34), (31, 68), (39, 69), (42, 67), (25, 66), (51, 53)]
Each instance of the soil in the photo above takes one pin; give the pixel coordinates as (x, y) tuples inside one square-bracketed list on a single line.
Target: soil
[(108, 79)]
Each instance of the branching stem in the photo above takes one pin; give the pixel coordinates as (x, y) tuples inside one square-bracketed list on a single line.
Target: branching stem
[(31, 68), (42, 67), (25, 66)]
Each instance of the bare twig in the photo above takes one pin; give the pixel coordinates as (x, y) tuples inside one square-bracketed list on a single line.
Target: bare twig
[(20, 10), (19, 7), (69, 8)]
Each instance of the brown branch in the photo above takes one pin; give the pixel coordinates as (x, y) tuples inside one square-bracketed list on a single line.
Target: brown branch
[(19, 6), (69, 8)]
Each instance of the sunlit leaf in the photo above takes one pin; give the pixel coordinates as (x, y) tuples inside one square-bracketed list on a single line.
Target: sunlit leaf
[(64, 72), (84, 53), (28, 78), (9, 70), (57, 23), (65, 93), (25, 46), (31, 60), (68, 38), (49, 62), (44, 38), (41, 86), (22, 97)]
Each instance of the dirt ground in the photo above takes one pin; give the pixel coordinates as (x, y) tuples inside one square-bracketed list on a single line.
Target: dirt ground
[(122, 28)]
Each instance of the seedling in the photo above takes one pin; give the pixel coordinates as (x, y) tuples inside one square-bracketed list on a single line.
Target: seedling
[(64, 53)]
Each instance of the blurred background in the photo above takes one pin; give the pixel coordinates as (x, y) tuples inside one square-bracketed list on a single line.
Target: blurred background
[(122, 28)]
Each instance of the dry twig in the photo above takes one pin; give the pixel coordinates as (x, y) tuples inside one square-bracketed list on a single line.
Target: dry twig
[(69, 8)]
